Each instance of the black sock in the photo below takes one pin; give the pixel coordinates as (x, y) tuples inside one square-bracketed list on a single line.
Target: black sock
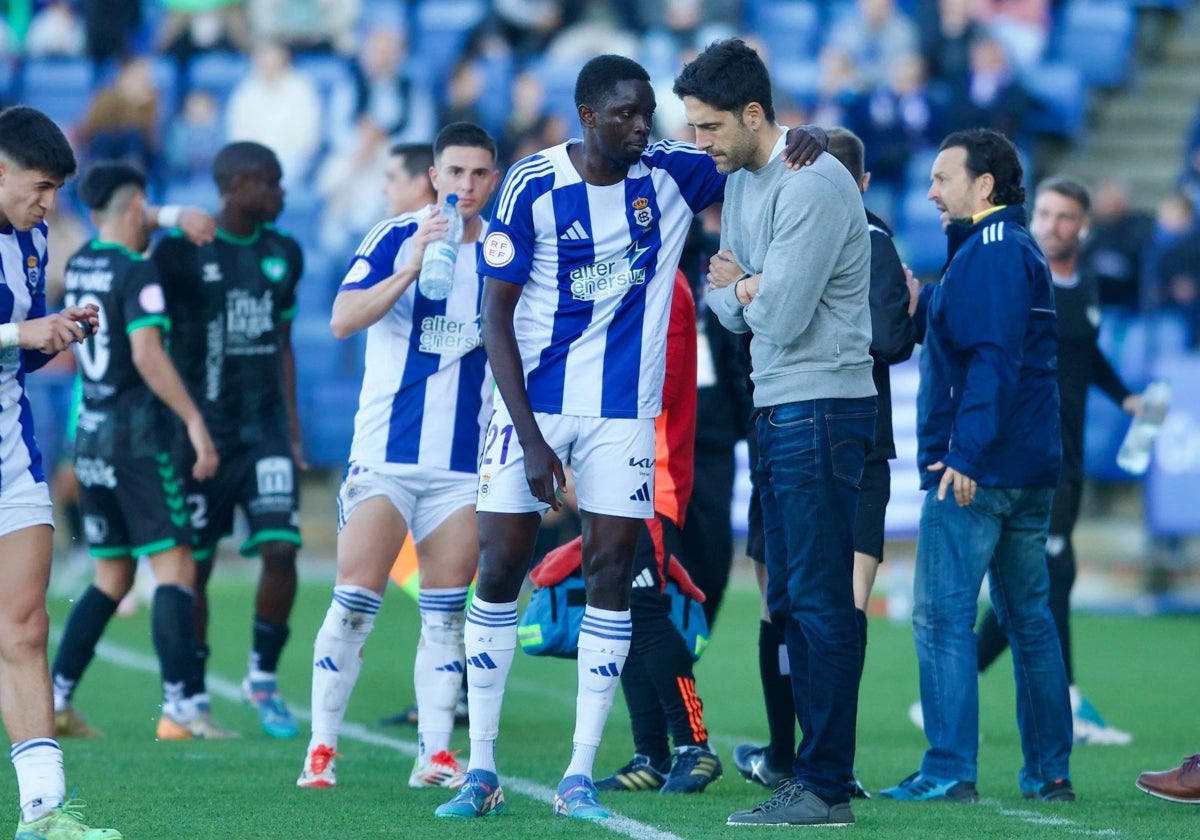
[(74, 516), (777, 694), (667, 665), (84, 628), (862, 641), (173, 627), (269, 640), (646, 717)]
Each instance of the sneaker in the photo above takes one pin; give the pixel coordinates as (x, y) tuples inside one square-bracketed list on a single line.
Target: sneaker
[(639, 774), (1059, 790), (201, 727), (318, 768), (70, 723), (576, 798), (793, 804), (921, 788), (479, 795), (442, 770), (692, 770), (64, 823), (273, 713), (1089, 728), (917, 715), (1181, 784), (751, 762), (408, 717), (857, 791)]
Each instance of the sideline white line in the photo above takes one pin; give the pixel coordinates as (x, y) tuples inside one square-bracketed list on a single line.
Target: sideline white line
[(229, 690), (1046, 819)]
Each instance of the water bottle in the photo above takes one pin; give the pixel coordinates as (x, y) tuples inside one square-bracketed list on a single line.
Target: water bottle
[(1134, 455), (437, 265)]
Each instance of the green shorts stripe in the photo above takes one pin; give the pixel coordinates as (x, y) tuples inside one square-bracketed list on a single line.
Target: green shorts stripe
[(270, 535)]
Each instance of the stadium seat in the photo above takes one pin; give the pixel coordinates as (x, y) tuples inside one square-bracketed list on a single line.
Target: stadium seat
[(61, 88), (1059, 99), (1097, 38), (919, 236), (558, 79), (799, 77), (442, 29), (218, 73), (790, 29), (496, 98), (8, 80)]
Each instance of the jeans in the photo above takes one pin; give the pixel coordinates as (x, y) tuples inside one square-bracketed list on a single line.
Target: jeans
[(1002, 533), (810, 462)]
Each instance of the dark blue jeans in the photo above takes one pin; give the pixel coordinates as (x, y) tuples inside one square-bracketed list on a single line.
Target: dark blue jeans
[(810, 461), (1002, 533)]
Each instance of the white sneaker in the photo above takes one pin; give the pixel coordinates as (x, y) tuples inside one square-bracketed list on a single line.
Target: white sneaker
[(917, 716), (318, 768), (442, 770), (1089, 727)]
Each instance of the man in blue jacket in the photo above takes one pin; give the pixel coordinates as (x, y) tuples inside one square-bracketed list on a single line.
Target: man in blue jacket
[(990, 451)]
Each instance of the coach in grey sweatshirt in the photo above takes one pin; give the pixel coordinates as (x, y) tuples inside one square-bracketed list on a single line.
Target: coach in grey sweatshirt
[(794, 270)]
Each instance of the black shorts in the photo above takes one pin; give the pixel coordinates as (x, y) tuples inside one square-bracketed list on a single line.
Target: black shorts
[(132, 506), (874, 492), (261, 479)]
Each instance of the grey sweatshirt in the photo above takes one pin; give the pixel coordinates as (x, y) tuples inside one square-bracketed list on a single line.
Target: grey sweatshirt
[(806, 233)]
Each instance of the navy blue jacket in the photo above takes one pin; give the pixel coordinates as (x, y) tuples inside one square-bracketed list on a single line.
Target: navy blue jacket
[(988, 400)]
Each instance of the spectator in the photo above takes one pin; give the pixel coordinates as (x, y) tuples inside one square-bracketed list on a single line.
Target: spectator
[(992, 97), (528, 25), (530, 126), (194, 137), (347, 181), (110, 26), (1115, 247), (277, 106), (839, 89), (1189, 180), (56, 31), (462, 94), (122, 121), (1022, 26), (1174, 220), (875, 37), (383, 94), (306, 25), (197, 26), (946, 38), (1178, 270), (684, 18)]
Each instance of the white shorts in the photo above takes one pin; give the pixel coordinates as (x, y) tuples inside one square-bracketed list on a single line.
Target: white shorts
[(28, 506), (424, 496), (611, 460)]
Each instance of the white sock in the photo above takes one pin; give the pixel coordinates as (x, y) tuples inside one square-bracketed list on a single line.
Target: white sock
[(438, 669), (337, 658), (63, 689), (1076, 699), (603, 647), (491, 641), (40, 780)]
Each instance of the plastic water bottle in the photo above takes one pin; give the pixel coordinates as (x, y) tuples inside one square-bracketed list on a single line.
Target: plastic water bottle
[(437, 265), (1134, 455)]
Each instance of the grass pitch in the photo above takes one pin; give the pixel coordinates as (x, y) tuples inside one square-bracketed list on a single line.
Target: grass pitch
[(1142, 673)]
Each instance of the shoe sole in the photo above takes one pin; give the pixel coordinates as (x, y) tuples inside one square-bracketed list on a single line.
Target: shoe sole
[(1167, 797), (320, 783)]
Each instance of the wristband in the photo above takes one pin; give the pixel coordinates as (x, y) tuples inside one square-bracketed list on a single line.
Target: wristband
[(10, 335), (168, 215)]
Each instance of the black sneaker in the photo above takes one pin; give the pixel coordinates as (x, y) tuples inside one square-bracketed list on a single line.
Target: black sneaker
[(692, 770), (792, 804), (638, 774), (751, 762), (408, 717), (857, 791), (1059, 790)]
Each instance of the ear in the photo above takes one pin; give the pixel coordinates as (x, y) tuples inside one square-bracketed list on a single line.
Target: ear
[(433, 177), (865, 183), (587, 116), (752, 116), (986, 185), (1083, 232)]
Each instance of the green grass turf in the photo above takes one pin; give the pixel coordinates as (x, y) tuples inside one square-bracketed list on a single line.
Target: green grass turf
[(1142, 673)]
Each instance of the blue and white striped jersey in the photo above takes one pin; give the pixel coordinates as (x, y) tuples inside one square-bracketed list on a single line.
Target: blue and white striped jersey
[(426, 393), (598, 266), (22, 297)]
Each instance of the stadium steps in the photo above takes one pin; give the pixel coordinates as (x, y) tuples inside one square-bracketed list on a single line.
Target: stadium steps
[(1138, 132)]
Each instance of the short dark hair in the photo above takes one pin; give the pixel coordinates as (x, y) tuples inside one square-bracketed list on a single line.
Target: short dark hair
[(32, 140), (989, 151), (241, 158), (418, 157), (1070, 188), (104, 178), (599, 78), (463, 134), (847, 147), (728, 75)]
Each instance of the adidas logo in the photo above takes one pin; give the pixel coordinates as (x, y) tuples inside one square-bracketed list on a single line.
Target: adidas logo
[(482, 661), (644, 580), (609, 670), (454, 667), (326, 664), (574, 232), (642, 494), (993, 233)]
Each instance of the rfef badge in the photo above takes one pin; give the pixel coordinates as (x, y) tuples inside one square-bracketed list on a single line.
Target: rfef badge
[(642, 214)]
